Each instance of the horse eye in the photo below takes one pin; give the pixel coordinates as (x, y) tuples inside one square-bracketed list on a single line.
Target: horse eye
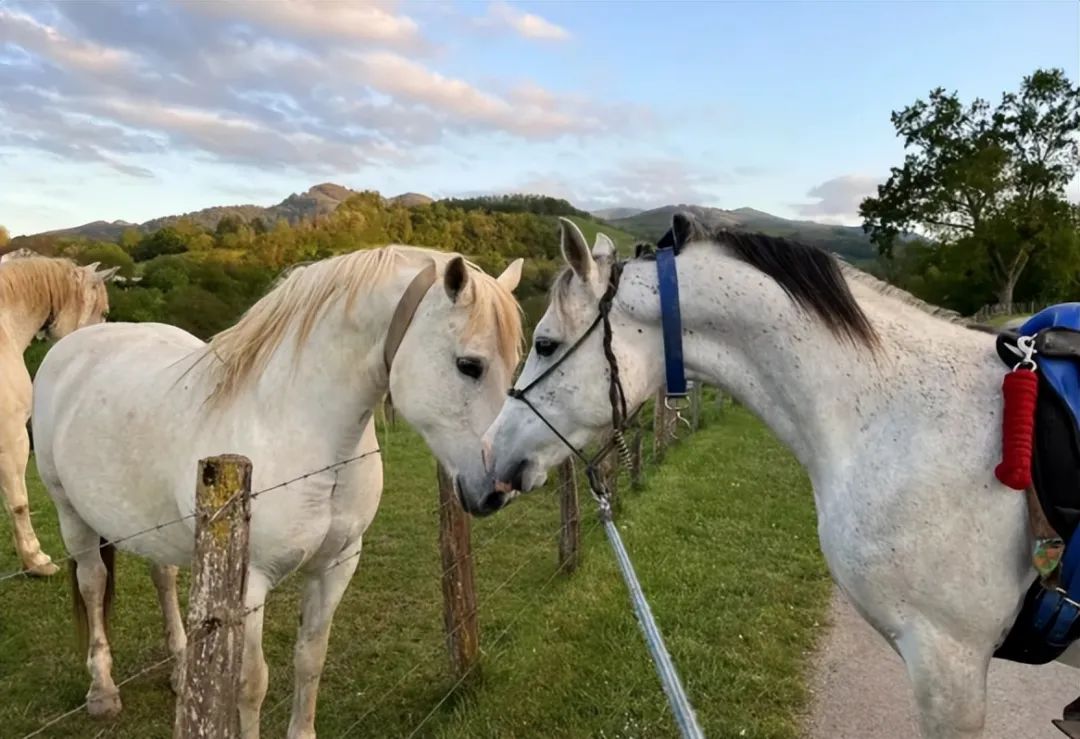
[(470, 367), (546, 347)]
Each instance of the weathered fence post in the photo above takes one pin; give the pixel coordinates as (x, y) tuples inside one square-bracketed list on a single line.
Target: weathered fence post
[(570, 533), (695, 406), (206, 706), (458, 579)]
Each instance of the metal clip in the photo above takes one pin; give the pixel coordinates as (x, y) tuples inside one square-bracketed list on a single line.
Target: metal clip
[(1026, 344)]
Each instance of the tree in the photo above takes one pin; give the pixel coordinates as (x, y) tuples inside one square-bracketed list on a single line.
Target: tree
[(108, 255), (988, 180), (163, 241), (4, 237)]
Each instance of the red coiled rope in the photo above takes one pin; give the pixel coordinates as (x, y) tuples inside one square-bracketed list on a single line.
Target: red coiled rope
[(1021, 391)]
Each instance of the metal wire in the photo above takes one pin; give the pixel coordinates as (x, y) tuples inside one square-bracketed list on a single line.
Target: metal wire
[(189, 516)]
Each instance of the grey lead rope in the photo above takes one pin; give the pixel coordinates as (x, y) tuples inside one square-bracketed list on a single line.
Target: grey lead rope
[(665, 668)]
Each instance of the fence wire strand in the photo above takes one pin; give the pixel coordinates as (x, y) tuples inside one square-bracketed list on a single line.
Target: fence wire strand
[(157, 527)]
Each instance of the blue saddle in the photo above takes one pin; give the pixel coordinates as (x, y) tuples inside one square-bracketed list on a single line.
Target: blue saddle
[(1061, 372), (1049, 620)]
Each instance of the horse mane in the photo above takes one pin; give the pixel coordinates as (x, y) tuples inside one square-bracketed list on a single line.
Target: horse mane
[(44, 281), (305, 292), (854, 274), (811, 276)]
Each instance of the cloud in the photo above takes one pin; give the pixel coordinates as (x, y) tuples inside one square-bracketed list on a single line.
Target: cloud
[(525, 24), (315, 87), (645, 184), (318, 19), (538, 115), (39, 38), (838, 199)]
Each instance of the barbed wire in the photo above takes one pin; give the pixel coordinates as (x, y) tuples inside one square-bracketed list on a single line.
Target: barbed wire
[(208, 628), (157, 527), (515, 522), (485, 600), (206, 632)]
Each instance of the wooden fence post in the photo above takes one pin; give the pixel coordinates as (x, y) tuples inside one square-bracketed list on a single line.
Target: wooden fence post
[(206, 706), (570, 533), (695, 406), (458, 579)]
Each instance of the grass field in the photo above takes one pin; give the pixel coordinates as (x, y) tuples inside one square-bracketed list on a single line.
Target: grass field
[(723, 538)]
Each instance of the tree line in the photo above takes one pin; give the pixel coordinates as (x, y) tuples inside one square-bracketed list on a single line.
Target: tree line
[(979, 212)]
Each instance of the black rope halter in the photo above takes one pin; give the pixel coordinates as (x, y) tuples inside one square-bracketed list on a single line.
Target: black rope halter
[(616, 396)]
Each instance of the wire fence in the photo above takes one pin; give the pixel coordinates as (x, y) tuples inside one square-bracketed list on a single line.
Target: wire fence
[(651, 449)]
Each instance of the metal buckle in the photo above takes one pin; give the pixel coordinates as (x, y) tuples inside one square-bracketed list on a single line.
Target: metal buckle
[(1065, 597)]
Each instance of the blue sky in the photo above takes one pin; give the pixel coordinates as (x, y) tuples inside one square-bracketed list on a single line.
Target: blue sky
[(133, 110)]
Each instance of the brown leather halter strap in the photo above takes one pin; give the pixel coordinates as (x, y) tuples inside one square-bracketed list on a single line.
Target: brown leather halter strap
[(406, 308)]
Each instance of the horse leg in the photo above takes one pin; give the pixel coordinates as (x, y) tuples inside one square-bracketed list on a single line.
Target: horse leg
[(949, 680), (92, 591), (164, 577), (14, 452), (254, 675), (322, 593)]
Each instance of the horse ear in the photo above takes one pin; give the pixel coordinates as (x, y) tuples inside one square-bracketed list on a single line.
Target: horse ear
[(108, 274), (684, 228), (455, 278), (91, 268), (575, 251), (511, 276), (603, 248)]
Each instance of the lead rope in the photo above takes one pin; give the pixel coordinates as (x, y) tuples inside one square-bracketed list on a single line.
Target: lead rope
[(665, 668), (681, 708)]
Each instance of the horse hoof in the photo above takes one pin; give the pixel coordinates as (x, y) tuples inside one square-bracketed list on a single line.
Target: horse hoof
[(44, 568), (104, 706)]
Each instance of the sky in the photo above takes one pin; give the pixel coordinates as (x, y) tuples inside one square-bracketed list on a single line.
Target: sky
[(132, 110)]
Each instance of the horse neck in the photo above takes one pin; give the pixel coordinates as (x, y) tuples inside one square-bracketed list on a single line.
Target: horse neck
[(338, 378), (23, 313), (818, 394)]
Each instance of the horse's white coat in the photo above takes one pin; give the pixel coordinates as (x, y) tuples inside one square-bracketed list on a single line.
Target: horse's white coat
[(900, 447), (35, 291), (121, 419)]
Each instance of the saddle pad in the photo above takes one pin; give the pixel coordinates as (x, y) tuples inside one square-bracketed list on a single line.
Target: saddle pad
[(1062, 374)]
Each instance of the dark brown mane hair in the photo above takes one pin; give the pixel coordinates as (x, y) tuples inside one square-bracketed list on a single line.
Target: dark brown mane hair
[(810, 276)]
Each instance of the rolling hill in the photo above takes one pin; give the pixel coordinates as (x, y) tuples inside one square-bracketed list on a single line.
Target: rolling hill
[(624, 225), (848, 241)]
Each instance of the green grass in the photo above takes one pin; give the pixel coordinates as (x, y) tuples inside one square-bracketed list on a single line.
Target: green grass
[(723, 538), (1000, 321)]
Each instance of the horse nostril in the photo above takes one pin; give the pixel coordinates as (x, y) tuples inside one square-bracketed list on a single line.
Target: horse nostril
[(492, 502), (517, 477)]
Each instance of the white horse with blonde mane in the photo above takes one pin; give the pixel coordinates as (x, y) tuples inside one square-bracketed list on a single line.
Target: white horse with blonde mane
[(893, 408), (123, 413), (37, 294)]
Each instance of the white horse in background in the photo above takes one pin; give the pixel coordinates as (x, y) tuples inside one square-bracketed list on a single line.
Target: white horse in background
[(36, 294), (123, 412), (893, 410)]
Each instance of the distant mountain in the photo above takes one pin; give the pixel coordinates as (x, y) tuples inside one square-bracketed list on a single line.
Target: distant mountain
[(848, 241), (320, 200), (411, 200), (610, 214), (98, 230)]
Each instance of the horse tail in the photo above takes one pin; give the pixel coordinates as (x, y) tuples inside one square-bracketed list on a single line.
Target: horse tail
[(82, 622)]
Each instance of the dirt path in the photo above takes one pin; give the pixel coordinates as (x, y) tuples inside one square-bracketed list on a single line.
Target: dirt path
[(860, 689)]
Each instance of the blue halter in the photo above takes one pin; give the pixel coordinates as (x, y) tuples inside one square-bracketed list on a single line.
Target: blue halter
[(667, 275)]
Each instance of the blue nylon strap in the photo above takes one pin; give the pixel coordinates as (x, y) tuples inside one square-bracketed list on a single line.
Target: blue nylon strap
[(1054, 612), (671, 321)]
